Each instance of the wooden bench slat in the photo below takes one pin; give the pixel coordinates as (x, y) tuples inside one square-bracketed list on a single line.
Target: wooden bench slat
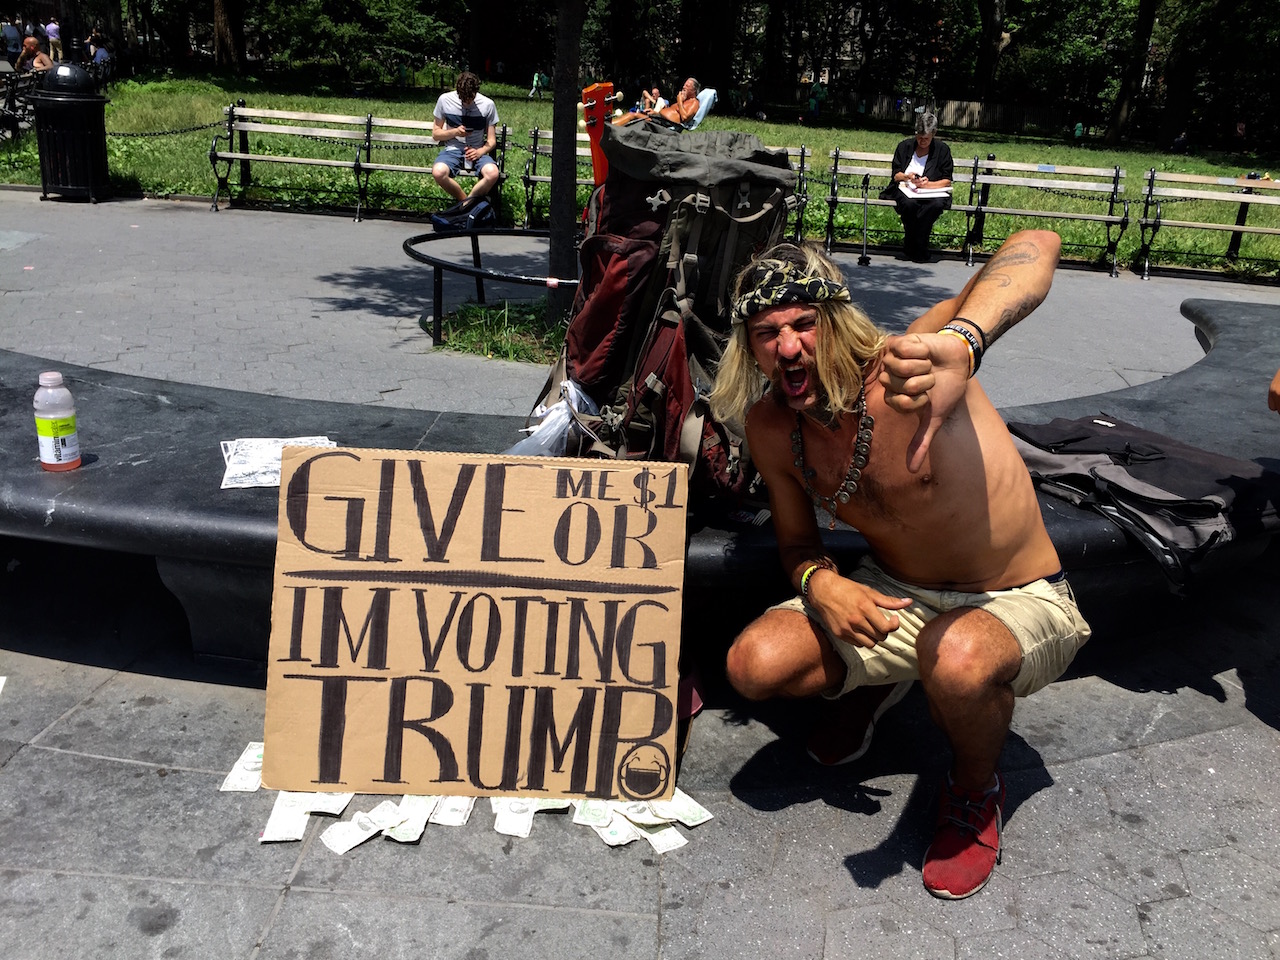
[(283, 158), (295, 115), (1231, 227), (407, 138), (1221, 181), (406, 124), (1055, 214), (861, 171), (393, 167), (1218, 196), (1045, 184), (1017, 165), (321, 132)]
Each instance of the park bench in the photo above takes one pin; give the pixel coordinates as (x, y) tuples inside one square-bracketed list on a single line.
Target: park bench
[(1030, 191), (1205, 203), (152, 464), (800, 159), (15, 104), (858, 177), (537, 169), (323, 140)]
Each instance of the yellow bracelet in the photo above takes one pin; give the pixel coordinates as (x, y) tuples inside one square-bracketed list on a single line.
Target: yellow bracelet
[(968, 345)]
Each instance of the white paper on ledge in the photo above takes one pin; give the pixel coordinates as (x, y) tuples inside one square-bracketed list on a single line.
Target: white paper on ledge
[(255, 461)]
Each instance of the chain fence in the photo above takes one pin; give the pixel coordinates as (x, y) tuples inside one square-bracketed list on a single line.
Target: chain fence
[(166, 133)]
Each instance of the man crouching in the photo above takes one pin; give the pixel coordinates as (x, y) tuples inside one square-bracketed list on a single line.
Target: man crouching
[(963, 589)]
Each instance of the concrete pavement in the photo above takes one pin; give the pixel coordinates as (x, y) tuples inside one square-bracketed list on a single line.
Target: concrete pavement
[(1141, 819)]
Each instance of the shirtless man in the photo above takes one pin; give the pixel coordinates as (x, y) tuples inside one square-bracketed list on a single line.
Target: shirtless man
[(680, 112), (963, 589)]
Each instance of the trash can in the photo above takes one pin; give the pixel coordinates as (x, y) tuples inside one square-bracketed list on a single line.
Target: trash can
[(71, 135)]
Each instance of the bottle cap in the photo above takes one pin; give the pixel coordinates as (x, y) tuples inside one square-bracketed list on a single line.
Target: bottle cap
[(51, 379)]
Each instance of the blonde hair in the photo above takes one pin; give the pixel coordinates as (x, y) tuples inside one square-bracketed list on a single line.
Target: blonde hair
[(846, 340)]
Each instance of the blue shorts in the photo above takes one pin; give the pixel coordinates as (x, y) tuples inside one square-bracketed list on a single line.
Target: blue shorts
[(453, 158)]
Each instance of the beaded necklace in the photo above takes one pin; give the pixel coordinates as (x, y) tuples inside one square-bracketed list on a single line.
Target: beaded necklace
[(857, 461)]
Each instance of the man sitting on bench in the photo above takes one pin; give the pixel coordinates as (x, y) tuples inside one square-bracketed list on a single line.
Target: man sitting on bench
[(466, 122)]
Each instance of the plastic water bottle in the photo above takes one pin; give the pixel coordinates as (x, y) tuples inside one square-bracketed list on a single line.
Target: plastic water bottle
[(56, 424)]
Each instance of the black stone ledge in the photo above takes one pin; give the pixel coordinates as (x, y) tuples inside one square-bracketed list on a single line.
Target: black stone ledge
[(150, 481)]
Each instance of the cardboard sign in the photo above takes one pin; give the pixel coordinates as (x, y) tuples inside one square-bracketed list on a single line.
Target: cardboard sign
[(475, 625)]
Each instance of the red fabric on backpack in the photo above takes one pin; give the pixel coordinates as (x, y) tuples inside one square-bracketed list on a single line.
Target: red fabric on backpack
[(609, 304)]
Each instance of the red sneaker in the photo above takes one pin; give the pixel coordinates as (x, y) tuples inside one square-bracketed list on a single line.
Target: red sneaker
[(844, 728), (966, 845)]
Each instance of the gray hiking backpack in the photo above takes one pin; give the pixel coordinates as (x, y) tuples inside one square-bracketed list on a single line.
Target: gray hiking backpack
[(677, 217)]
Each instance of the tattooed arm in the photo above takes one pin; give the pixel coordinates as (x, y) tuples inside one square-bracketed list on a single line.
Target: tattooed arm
[(928, 372), (1007, 288)]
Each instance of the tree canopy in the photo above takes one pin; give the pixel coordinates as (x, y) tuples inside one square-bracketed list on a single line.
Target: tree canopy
[(1135, 68)]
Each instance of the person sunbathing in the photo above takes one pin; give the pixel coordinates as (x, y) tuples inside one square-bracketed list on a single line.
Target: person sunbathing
[(679, 113)]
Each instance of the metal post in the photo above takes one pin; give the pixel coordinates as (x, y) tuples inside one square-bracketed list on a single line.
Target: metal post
[(475, 260), (1233, 248), (243, 148), (864, 260), (437, 306), (980, 216)]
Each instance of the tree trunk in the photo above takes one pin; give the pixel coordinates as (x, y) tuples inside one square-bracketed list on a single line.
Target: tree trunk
[(564, 163), (228, 34), (989, 45), (1131, 79)]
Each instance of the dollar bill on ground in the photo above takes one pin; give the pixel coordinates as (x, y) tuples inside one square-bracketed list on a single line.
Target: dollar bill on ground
[(639, 812), (288, 820), (452, 811), (1, 684), (552, 803), (618, 832), (681, 807), (415, 810), (592, 813), (663, 839), (246, 775), (346, 834), (513, 816)]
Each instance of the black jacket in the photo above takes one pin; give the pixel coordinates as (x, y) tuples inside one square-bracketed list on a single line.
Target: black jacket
[(938, 166)]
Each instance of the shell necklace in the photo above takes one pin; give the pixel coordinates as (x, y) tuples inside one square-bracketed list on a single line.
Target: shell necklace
[(857, 461)]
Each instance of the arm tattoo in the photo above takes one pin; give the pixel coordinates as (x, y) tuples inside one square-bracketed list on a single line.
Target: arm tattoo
[(1018, 255)]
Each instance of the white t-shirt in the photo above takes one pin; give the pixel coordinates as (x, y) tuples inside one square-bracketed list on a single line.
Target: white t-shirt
[(916, 164), (477, 116)]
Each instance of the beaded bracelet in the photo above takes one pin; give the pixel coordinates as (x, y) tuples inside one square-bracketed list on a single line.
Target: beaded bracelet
[(809, 571), (975, 348)]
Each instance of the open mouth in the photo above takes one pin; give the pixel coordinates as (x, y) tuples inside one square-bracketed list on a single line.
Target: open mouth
[(794, 379)]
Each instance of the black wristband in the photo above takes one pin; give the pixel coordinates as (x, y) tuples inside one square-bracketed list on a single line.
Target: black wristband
[(982, 334)]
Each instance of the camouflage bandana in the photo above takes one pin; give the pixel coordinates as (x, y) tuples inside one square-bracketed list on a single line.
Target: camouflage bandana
[(775, 282)]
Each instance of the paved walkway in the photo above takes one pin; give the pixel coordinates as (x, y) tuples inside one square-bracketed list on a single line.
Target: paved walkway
[(1141, 819)]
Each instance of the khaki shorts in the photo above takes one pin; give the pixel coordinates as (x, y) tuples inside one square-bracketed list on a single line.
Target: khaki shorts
[(1042, 616)]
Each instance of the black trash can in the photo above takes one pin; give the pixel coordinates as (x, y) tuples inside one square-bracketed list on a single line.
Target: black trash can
[(71, 135)]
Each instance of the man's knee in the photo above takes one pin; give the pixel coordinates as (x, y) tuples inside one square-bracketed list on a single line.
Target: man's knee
[(965, 653), (441, 172), (753, 665)]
